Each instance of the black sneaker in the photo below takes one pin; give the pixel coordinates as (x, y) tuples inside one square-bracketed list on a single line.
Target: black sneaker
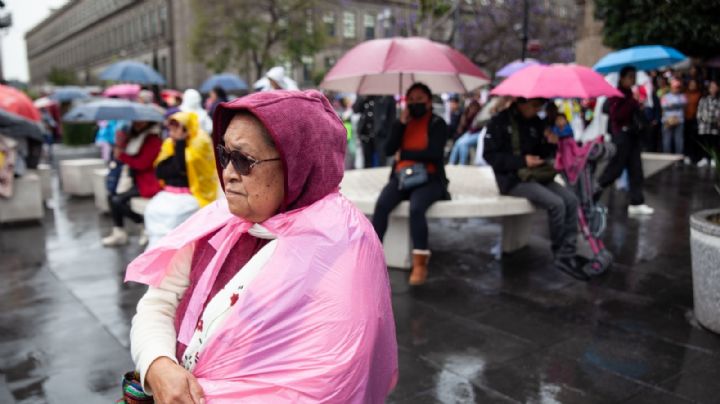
[(570, 266)]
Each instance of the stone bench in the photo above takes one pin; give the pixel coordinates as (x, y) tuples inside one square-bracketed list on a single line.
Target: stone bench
[(44, 171), (653, 163), (474, 194), (138, 205), (76, 175), (100, 190), (26, 202)]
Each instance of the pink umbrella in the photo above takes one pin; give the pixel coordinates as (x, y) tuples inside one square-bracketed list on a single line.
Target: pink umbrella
[(556, 81), (128, 91), (389, 66)]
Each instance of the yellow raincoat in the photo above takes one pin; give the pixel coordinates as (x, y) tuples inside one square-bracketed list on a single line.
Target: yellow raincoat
[(199, 158)]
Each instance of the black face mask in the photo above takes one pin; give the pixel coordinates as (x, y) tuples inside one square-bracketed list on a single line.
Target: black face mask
[(417, 110)]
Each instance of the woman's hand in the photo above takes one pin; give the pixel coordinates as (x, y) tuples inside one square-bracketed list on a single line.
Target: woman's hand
[(404, 116), (171, 383)]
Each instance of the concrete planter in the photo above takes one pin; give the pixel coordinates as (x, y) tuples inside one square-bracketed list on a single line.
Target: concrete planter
[(705, 251)]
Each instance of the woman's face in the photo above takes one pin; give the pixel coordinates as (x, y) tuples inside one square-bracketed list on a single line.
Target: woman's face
[(257, 196), (714, 89), (418, 96), (628, 80)]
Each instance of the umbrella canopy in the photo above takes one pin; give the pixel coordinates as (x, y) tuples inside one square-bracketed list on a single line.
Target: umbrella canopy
[(556, 81), (110, 109), (17, 127), (133, 72), (129, 91), (227, 81), (15, 101), (69, 93), (515, 66), (390, 66), (44, 102), (647, 57)]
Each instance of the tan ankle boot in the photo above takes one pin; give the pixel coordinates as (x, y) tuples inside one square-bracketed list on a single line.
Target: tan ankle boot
[(419, 273), (117, 237)]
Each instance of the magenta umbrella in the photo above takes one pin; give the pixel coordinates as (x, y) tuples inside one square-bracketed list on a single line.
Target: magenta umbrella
[(389, 66), (556, 81), (127, 91)]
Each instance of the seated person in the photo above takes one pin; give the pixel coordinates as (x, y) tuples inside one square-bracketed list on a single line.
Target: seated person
[(519, 152), (417, 140), (138, 149), (186, 167), (468, 135)]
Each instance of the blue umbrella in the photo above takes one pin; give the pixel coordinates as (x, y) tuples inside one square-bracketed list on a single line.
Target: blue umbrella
[(647, 57), (69, 93), (133, 72), (228, 82), (112, 109), (515, 66)]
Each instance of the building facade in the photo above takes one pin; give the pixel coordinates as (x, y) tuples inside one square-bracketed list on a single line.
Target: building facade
[(589, 46), (85, 36)]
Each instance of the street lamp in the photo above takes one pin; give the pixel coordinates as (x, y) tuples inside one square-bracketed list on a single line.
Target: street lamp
[(526, 9)]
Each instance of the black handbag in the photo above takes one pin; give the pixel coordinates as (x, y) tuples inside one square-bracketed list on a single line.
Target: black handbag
[(412, 177)]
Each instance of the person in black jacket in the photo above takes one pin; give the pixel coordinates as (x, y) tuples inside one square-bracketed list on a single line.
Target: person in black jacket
[(417, 140), (376, 116), (533, 149)]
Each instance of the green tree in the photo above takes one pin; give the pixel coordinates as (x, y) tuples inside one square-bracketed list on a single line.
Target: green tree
[(691, 26), (263, 33), (62, 77)]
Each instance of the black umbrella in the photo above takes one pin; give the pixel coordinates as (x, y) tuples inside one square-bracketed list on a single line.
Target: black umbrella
[(17, 127)]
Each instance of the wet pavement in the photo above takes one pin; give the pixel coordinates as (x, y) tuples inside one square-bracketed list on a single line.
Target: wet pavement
[(487, 330)]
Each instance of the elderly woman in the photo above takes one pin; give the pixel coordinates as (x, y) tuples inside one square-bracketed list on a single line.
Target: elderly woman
[(417, 140), (186, 167), (279, 293)]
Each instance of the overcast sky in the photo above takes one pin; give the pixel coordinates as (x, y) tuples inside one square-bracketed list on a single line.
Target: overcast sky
[(26, 14)]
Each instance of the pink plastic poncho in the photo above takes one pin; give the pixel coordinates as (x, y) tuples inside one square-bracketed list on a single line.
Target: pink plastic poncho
[(316, 324)]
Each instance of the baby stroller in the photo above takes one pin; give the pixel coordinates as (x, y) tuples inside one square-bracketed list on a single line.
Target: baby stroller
[(577, 165)]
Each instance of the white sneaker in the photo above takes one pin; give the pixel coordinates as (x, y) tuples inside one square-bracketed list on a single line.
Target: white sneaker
[(702, 163), (116, 238), (640, 210), (712, 163), (687, 161), (143, 239)]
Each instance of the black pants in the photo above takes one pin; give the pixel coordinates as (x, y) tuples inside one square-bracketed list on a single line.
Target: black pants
[(421, 198), (627, 156), (692, 146), (373, 149), (120, 207), (562, 209)]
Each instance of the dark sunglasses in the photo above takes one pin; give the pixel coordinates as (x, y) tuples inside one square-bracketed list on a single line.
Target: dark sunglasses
[(242, 163)]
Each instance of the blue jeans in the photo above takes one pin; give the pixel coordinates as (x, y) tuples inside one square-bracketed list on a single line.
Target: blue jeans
[(670, 133), (461, 149)]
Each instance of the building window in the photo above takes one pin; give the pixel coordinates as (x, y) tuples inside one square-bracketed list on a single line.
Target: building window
[(369, 23), (348, 24), (329, 21), (329, 62)]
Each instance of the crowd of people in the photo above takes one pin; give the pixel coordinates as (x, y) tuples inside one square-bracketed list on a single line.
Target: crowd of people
[(663, 111)]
